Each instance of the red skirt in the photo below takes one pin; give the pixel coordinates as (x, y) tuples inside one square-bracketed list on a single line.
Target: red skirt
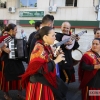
[(9, 85), (38, 91), (87, 96)]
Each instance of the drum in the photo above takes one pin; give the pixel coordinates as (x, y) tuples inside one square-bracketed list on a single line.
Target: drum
[(76, 55)]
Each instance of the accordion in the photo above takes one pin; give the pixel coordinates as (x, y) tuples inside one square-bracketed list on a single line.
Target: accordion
[(18, 49)]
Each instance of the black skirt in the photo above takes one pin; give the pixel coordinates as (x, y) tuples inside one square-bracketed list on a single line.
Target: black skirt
[(13, 69)]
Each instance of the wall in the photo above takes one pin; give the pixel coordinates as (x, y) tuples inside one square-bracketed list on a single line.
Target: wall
[(83, 11)]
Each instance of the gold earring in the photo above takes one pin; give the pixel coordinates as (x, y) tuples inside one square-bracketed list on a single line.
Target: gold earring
[(45, 44)]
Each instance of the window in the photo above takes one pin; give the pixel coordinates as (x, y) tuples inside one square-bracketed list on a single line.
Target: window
[(71, 3), (28, 3), (3, 3), (63, 3)]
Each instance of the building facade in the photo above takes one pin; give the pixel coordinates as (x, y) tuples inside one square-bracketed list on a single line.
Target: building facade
[(82, 14)]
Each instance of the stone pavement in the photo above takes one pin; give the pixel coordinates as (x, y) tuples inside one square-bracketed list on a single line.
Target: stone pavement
[(13, 94), (73, 92)]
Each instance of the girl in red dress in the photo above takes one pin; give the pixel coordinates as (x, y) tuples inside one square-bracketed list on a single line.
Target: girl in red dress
[(40, 77)]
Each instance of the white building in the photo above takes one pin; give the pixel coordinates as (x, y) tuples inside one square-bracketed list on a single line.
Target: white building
[(82, 14)]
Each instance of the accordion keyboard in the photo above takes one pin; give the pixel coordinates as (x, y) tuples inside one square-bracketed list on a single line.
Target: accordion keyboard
[(12, 48)]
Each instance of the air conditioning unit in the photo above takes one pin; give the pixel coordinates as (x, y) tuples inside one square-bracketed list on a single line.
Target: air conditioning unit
[(96, 8), (53, 9), (12, 9)]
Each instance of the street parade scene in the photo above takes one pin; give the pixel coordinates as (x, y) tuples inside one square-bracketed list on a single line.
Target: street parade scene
[(50, 50)]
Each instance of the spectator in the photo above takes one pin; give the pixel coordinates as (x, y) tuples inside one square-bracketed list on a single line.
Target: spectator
[(23, 35)]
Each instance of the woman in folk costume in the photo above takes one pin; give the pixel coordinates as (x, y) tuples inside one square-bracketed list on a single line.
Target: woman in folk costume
[(40, 77), (12, 68), (89, 72)]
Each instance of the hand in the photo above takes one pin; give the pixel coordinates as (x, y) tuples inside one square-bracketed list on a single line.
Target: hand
[(69, 42), (0, 51), (59, 58), (77, 38), (59, 52), (97, 66), (98, 59)]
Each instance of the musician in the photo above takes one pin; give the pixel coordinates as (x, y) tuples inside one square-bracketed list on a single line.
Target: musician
[(40, 75), (31, 36), (47, 20), (89, 72), (68, 67), (12, 67)]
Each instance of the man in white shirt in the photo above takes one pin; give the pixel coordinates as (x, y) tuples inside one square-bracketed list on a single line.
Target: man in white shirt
[(23, 35)]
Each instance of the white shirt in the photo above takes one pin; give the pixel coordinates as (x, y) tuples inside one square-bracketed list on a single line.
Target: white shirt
[(23, 35)]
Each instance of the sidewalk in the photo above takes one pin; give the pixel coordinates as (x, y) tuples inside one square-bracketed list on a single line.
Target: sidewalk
[(73, 92), (13, 94)]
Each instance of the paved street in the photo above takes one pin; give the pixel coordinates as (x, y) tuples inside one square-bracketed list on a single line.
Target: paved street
[(73, 92)]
